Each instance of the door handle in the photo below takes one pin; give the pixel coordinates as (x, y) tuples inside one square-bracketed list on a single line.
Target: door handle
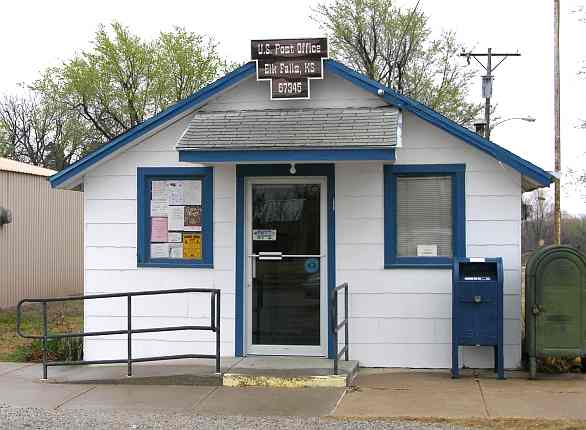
[(270, 255), (537, 309)]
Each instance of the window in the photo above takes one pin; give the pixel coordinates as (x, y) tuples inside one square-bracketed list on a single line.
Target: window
[(175, 213), (424, 215)]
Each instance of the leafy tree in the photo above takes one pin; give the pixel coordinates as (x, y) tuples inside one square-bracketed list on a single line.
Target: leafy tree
[(122, 80), (395, 47)]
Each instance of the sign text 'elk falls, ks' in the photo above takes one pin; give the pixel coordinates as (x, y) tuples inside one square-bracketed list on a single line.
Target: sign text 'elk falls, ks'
[(289, 64)]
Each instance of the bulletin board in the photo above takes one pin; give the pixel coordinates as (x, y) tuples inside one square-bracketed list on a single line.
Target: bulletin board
[(176, 214)]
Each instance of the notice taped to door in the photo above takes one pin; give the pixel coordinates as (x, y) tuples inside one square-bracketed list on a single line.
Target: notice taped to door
[(264, 234)]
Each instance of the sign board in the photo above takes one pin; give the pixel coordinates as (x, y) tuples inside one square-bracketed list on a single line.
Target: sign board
[(264, 234), (192, 246), (289, 64), (427, 250)]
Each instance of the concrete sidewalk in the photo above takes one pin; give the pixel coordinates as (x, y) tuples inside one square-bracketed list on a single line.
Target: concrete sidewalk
[(419, 394), (20, 387), (380, 393)]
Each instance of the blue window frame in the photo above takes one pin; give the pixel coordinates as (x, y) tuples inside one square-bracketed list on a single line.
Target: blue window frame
[(145, 177), (391, 174)]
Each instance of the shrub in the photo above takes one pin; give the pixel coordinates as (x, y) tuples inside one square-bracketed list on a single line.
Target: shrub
[(559, 364), (65, 349)]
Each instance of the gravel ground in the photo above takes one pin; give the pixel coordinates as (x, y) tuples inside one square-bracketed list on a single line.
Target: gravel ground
[(30, 418)]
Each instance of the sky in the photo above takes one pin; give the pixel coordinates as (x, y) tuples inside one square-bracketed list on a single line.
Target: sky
[(38, 34)]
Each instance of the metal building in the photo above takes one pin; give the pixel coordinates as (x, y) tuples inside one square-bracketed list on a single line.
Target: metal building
[(41, 236)]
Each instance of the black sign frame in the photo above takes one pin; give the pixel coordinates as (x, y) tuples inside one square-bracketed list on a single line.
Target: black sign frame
[(289, 65)]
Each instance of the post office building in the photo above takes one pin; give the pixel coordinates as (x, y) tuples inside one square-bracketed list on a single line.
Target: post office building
[(277, 200)]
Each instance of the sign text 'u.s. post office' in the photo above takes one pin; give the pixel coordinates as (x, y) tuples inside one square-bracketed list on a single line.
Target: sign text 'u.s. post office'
[(289, 64)]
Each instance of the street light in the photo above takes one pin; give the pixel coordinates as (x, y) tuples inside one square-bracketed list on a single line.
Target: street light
[(480, 125), (521, 118)]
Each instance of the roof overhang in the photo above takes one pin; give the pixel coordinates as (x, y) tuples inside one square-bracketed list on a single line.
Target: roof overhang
[(71, 177), (286, 155), (533, 176)]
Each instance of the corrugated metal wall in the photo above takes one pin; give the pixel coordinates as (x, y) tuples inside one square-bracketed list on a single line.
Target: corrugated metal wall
[(41, 251)]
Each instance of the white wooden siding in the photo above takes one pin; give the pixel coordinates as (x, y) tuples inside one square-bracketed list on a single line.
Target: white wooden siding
[(110, 254), (331, 92), (398, 317), (402, 317)]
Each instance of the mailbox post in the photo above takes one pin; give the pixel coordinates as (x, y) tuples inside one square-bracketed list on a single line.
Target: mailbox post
[(477, 308)]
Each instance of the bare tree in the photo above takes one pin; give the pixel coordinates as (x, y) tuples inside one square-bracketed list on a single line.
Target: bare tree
[(40, 133), (538, 227)]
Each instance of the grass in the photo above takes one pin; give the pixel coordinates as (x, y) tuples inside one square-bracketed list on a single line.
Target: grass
[(64, 317)]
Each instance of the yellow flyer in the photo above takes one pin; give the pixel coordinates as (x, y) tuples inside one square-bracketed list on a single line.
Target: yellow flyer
[(192, 246)]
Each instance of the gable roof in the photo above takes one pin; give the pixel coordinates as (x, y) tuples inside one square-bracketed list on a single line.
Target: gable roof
[(75, 170), (293, 129), (71, 175), (535, 173)]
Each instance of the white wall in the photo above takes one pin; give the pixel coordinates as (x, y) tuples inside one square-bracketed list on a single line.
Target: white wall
[(110, 260), (399, 317), (402, 317)]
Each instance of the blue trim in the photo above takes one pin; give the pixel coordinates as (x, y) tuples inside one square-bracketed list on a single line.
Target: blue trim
[(242, 171), (458, 174), (524, 167), (199, 97), (256, 155), (145, 175)]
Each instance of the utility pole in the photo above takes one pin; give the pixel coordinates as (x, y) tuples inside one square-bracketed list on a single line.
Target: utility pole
[(487, 79), (557, 212)]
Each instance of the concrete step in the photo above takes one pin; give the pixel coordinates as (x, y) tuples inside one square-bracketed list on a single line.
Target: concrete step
[(289, 372)]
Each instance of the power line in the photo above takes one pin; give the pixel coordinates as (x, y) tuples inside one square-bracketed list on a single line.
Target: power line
[(487, 79)]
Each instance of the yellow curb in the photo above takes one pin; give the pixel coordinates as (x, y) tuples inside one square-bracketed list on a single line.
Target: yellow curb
[(245, 380)]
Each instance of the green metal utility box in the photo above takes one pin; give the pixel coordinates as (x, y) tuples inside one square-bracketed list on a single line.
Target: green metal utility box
[(555, 305)]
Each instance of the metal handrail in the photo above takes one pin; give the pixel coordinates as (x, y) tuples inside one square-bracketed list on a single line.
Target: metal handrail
[(337, 326), (214, 326)]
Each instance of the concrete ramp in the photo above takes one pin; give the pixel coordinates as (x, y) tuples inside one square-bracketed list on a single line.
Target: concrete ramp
[(284, 372)]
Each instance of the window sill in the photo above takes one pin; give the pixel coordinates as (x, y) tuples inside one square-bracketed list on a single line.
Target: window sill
[(419, 263), (176, 264)]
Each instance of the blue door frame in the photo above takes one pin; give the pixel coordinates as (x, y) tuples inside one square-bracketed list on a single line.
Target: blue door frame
[(249, 170)]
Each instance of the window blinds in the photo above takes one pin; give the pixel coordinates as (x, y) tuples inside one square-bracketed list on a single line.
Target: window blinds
[(424, 216)]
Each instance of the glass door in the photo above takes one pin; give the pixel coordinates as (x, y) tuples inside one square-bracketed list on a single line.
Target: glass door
[(286, 294)]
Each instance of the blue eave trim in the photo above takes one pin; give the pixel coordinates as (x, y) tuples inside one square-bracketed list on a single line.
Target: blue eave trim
[(458, 174), (524, 167), (144, 176), (199, 97), (218, 156)]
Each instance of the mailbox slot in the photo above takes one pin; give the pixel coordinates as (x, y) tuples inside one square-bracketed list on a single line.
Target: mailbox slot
[(475, 272)]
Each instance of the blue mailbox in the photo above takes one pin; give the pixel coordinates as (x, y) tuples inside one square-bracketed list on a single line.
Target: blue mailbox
[(477, 308)]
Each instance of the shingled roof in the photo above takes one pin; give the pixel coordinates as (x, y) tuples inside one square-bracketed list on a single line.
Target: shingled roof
[(292, 129)]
